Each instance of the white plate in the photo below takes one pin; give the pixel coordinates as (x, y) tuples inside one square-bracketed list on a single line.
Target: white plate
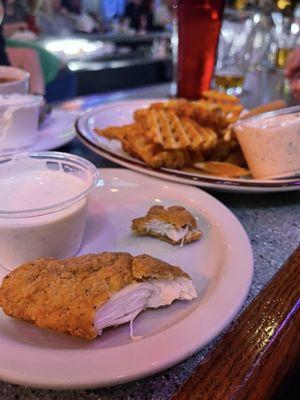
[(56, 131), (121, 113), (220, 264)]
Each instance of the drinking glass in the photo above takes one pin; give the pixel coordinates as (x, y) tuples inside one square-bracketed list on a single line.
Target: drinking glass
[(234, 52), (286, 36), (261, 40), (199, 23)]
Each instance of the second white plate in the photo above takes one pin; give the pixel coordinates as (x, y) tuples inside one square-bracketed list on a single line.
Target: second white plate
[(121, 113), (220, 265)]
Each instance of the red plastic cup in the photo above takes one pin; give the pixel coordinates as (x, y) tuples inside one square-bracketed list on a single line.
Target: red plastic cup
[(199, 23)]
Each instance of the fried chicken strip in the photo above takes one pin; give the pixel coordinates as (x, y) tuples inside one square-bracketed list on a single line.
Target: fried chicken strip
[(83, 295)]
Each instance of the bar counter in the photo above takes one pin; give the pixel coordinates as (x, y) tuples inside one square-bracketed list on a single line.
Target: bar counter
[(272, 222)]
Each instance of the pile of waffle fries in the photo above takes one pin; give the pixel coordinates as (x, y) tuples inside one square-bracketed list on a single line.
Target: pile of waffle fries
[(189, 135)]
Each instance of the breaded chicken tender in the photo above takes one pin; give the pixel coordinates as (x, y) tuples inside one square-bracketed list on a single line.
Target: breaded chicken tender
[(83, 295), (175, 225)]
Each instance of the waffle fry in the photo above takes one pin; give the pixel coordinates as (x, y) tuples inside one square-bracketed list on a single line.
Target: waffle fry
[(173, 133), (221, 151), (232, 111), (140, 115), (236, 157), (171, 159), (210, 138), (137, 144), (193, 132), (230, 105), (206, 114), (222, 97), (165, 129), (171, 105), (222, 169), (185, 134), (115, 132)]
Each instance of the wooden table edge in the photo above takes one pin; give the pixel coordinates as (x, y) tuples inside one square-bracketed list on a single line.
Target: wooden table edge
[(254, 356)]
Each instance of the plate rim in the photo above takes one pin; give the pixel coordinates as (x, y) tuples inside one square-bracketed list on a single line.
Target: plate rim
[(54, 355), (230, 184)]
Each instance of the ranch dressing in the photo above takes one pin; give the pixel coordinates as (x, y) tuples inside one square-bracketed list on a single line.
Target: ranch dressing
[(55, 232), (271, 145), (38, 189)]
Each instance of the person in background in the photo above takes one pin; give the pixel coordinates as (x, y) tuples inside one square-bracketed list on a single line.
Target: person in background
[(15, 15), (93, 9), (48, 76), (292, 73), (140, 14), (110, 9), (30, 18), (28, 59), (163, 14), (82, 20), (53, 19), (20, 14), (24, 58), (133, 12)]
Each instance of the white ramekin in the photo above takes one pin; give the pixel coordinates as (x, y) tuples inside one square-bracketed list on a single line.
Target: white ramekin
[(271, 143)]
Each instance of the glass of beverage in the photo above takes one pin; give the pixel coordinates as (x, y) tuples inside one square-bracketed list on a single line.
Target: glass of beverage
[(234, 52), (199, 23), (281, 56), (286, 37)]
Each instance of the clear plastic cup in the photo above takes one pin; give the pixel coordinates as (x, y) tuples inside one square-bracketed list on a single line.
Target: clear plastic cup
[(43, 205), (271, 143)]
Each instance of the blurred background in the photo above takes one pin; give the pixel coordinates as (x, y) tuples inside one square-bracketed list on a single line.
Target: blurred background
[(80, 47)]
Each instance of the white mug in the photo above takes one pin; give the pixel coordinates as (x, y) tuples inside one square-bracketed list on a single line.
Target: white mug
[(18, 80), (19, 115)]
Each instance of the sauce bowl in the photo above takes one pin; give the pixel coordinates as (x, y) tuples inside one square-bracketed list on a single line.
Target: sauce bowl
[(13, 80), (43, 205), (271, 143)]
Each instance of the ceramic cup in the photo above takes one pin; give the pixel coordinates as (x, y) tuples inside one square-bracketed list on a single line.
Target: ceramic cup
[(13, 80)]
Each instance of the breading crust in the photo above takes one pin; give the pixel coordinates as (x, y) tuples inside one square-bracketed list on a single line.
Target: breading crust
[(177, 216), (64, 295)]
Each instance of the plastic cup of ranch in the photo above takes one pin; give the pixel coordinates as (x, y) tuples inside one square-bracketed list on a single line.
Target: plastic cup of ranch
[(43, 205)]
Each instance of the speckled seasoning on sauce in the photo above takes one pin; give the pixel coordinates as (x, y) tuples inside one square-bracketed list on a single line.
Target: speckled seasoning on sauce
[(271, 145)]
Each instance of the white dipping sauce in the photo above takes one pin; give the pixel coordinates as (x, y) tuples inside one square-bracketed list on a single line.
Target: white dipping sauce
[(53, 234), (271, 145)]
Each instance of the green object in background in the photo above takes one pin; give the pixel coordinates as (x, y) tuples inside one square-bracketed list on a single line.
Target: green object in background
[(49, 63)]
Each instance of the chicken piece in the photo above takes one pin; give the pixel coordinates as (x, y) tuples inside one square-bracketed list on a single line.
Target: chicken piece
[(175, 225), (83, 295)]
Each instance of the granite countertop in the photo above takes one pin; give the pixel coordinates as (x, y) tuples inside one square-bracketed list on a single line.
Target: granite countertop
[(272, 222)]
